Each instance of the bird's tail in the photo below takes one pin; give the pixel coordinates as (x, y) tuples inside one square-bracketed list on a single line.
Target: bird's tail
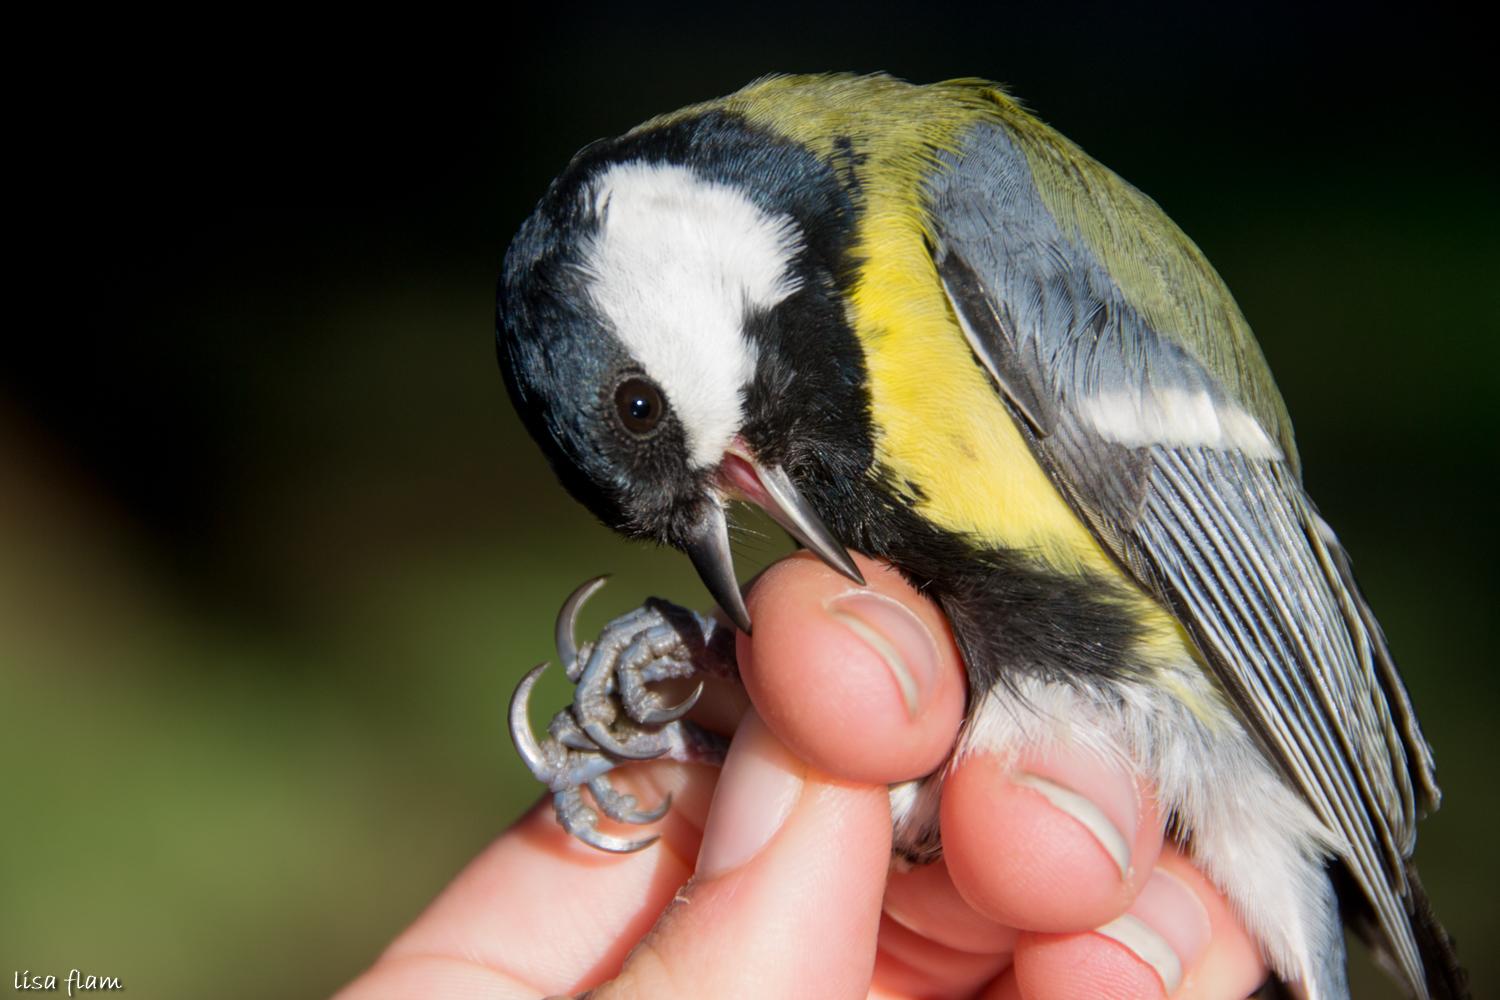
[(1445, 977)]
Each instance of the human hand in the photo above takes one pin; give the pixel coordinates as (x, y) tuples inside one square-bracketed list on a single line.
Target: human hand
[(771, 878)]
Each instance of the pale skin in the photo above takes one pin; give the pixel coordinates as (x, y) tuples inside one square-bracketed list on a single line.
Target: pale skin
[(776, 881)]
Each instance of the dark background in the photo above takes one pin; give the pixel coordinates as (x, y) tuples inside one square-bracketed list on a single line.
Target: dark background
[(274, 550)]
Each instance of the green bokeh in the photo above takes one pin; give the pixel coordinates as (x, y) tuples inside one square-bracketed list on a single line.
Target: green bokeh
[(236, 761)]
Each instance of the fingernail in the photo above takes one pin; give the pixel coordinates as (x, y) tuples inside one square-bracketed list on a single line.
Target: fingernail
[(1083, 809), (899, 638), (1167, 928), (758, 787)]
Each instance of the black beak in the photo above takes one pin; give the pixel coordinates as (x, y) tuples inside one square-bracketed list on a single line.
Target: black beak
[(791, 510), (708, 544), (708, 547)]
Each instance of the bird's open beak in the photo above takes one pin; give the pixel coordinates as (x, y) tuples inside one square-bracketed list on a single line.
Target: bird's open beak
[(741, 477)]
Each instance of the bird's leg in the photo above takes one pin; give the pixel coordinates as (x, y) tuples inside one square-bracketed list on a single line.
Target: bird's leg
[(615, 717), (669, 642)]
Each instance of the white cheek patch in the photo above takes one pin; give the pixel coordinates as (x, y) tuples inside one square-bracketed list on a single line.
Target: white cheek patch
[(675, 267), (1178, 418)]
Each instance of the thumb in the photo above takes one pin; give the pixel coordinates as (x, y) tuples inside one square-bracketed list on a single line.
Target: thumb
[(786, 900)]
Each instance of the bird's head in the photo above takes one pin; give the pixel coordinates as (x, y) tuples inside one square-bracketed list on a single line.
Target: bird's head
[(673, 331)]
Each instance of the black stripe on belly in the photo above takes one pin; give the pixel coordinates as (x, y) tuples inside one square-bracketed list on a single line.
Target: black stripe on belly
[(1013, 615)]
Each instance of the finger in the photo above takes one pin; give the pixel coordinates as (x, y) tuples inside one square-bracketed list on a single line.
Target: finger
[(786, 901), (933, 944), (926, 901), (1052, 841), (862, 682), (1031, 858), (539, 912), (1178, 939), (1231, 967)]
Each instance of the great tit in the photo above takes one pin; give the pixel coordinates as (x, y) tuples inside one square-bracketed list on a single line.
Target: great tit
[(918, 322)]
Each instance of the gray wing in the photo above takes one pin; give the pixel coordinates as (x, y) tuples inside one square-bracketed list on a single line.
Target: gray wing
[(1180, 480)]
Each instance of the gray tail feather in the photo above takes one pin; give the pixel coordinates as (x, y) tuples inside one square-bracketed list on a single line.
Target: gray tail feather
[(1445, 978)]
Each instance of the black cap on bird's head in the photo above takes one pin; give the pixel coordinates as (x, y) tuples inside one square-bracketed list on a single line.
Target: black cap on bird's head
[(672, 331)]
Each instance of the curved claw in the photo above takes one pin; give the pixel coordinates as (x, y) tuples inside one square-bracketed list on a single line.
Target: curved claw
[(575, 740), (614, 747), (613, 844), (581, 821), (653, 815), (567, 618), (622, 807), (657, 716), (520, 726)]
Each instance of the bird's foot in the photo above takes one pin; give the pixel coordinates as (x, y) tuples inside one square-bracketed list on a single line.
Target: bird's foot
[(615, 717)]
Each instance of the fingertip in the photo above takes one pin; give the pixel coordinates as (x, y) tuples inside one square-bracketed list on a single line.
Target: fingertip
[(760, 785), (926, 901), (1179, 939), (788, 888), (864, 683), (1082, 967), (1058, 842), (1231, 965)]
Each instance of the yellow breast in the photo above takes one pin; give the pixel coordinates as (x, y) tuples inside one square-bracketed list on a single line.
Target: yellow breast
[(940, 426)]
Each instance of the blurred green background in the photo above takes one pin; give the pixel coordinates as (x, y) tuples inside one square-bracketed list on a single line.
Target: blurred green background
[(274, 551)]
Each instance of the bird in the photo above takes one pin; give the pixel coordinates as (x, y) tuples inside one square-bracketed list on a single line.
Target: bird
[(917, 322)]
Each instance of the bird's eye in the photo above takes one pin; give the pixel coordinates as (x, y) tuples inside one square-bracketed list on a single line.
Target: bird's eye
[(639, 405)]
